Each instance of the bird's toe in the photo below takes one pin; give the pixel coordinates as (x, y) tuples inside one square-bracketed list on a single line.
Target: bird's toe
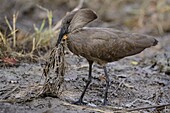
[(79, 102)]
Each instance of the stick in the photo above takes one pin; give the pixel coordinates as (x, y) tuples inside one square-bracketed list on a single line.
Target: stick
[(88, 108), (5, 96), (149, 107), (111, 109), (79, 5), (140, 108)]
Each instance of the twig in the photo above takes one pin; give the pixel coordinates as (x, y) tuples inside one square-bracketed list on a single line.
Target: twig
[(8, 101), (88, 108), (42, 8), (57, 26), (116, 110), (120, 84), (10, 92), (138, 109), (146, 101), (80, 5), (15, 100), (149, 107)]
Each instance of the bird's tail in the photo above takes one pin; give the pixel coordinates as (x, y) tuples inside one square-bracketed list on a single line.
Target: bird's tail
[(144, 41)]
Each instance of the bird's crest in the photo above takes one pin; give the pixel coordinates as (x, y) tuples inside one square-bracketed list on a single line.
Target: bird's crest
[(81, 18)]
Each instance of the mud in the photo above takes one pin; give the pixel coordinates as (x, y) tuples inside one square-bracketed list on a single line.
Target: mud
[(137, 81)]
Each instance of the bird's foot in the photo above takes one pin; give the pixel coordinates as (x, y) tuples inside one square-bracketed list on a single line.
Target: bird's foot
[(105, 102), (79, 102)]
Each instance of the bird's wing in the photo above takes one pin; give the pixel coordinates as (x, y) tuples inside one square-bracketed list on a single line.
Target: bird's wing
[(108, 44), (110, 36), (117, 44)]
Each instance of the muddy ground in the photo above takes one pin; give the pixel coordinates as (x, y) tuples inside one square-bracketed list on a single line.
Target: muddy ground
[(138, 81)]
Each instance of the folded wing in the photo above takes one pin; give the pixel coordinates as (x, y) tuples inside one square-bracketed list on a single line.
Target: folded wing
[(107, 44)]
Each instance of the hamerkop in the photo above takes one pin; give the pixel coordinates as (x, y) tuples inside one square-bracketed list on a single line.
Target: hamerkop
[(100, 45)]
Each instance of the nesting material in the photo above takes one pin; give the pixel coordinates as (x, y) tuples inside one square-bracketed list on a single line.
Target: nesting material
[(53, 82)]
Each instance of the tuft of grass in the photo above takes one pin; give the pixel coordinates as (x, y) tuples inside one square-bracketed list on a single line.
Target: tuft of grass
[(43, 35), (39, 40), (4, 45)]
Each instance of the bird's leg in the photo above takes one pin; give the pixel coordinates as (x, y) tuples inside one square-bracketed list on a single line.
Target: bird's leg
[(80, 101), (107, 85)]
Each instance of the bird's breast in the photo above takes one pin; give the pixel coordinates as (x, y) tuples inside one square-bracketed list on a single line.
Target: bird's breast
[(74, 45)]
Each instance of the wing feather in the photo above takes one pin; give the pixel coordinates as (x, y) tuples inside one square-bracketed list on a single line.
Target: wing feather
[(107, 44)]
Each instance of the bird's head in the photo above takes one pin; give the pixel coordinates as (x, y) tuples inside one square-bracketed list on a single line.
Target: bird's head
[(75, 20)]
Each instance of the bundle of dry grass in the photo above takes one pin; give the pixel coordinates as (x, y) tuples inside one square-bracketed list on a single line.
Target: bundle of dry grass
[(56, 63)]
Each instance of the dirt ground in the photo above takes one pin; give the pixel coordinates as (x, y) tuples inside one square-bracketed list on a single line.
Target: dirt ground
[(137, 81)]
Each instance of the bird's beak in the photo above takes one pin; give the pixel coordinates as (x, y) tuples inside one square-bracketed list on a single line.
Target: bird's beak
[(63, 31)]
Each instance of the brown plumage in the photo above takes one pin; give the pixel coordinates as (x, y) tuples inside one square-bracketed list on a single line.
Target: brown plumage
[(100, 45)]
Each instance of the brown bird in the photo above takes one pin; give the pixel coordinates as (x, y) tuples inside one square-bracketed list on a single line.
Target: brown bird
[(100, 45)]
